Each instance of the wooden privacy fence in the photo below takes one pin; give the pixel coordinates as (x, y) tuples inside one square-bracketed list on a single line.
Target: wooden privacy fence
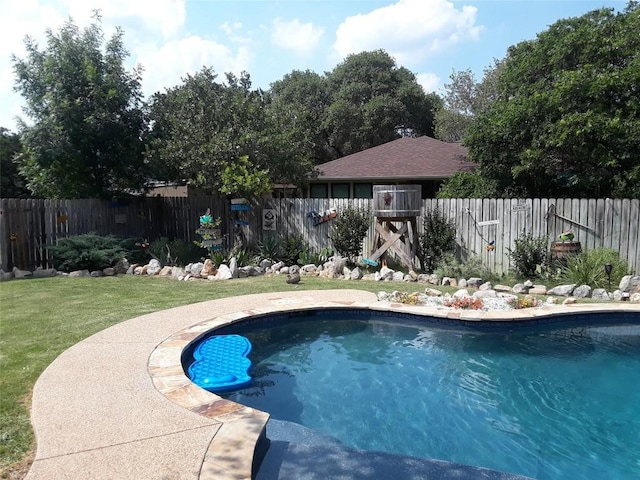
[(27, 226)]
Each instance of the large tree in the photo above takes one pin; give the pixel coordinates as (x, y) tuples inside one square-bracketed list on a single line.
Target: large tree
[(12, 184), (567, 119), (216, 134), (372, 100), (465, 98), (85, 139)]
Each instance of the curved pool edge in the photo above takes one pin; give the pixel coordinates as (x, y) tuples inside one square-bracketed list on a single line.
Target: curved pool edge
[(244, 427), (126, 413)]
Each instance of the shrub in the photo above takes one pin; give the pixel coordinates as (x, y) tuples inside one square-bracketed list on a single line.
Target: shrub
[(529, 253), (349, 230), (308, 256), (291, 248), (270, 248), (437, 239), (86, 252), (450, 266), (587, 268)]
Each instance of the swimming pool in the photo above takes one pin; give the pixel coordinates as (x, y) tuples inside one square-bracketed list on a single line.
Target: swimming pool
[(549, 400)]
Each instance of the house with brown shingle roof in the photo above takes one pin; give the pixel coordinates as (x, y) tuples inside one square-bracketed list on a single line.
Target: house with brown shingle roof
[(409, 160)]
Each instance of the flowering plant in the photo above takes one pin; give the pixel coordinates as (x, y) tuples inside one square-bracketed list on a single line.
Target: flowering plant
[(465, 303), (526, 302)]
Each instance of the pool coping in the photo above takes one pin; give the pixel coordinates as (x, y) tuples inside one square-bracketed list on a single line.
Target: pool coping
[(231, 438)]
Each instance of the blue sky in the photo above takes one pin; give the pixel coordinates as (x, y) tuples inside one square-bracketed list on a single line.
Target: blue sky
[(270, 38)]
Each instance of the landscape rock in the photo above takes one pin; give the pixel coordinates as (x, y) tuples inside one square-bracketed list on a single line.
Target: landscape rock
[(520, 288), (635, 297), (538, 290), (583, 291), (446, 280), (5, 275), (528, 284), (397, 276), (45, 272), (484, 294), (551, 300), (462, 283), (154, 267), (508, 297), (276, 267), (600, 294), (309, 269), (96, 273), (562, 290), (461, 293), (293, 278), (432, 292), (109, 271), (486, 286), (617, 295), (196, 269), (569, 301), (131, 270), (265, 263), (17, 273), (283, 271), (630, 283), (453, 282), (386, 273), (177, 272), (294, 269), (233, 267), (474, 282), (208, 268), (433, 279), (122, 266), (137, 270), (80, 273), (166, 271), (224, 273), (356, 274), (502, 288)]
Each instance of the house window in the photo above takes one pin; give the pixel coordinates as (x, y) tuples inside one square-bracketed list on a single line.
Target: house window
[(340, 190), (362, 190), (318, 190)]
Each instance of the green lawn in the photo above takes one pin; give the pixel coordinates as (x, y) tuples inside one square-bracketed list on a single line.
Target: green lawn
[(40, 318)]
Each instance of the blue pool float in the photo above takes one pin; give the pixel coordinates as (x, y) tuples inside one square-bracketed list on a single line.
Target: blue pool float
[(221, 363)]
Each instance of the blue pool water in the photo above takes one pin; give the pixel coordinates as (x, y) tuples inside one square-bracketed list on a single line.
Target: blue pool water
[(554, 401)]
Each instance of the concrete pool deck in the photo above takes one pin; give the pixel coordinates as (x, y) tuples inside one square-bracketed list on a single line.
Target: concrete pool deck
[(118, 405)]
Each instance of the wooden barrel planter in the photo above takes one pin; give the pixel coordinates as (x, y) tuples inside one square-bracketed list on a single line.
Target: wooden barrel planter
[(397, 201), (562, 251)]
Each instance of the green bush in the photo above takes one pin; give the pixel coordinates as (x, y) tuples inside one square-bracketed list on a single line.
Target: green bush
[(587, 268), (291, 248), (176, 252), (529, 255), (349, 230), (87, 252), (450, 266), (308, 256), (438, 237), (270, 248)]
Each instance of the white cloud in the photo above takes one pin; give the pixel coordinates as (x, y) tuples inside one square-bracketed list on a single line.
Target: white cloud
[(302, 38), (166, 17), (430, 82), (409, 30), (165, 65)]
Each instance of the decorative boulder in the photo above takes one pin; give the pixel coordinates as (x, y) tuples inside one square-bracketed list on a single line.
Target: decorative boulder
[(484, 294), (583, 291), (630, 283), (154, 267), (96, 273), (520, 288), (356, 274), (502, 288), (308, 269), (166, 271), (5, 275), (600, 294), (196, 269), (562, 290), (397, 276), (122, 266), (17, 273), (265, 263), (80, 273), (109, 271), (462, 283), (44, 272), (486, 286), (224, 273), (208, 268), (474, 282), (538, 290), (233, 267)]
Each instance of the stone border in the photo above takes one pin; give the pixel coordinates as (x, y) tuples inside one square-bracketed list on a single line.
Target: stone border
[(240, 443)]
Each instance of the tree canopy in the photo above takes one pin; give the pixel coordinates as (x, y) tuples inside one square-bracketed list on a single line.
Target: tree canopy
[(566, 120), (86, 136), (12, 184)]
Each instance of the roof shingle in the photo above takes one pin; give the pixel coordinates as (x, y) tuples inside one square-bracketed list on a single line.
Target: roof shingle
[(407, 157)]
